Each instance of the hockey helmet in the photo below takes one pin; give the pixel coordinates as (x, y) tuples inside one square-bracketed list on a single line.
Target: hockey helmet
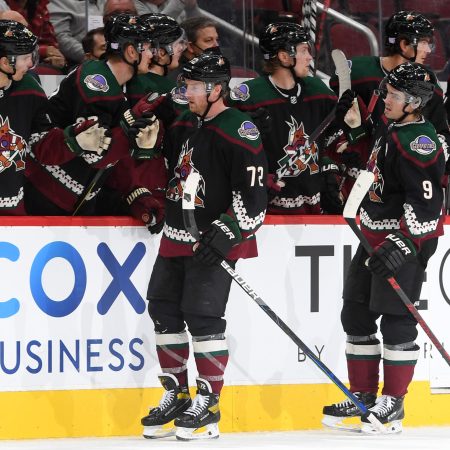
[(208, 67), (16, 39), (414, 80), (281, 36), (123, 30), (409, 25), (164, 30)]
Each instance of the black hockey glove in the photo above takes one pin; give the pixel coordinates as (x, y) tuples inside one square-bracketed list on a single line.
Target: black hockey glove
[(262, 120), (144, 134), (217, 241), (87, 136), (343, 105), (387, 258), (145, 207), (331, 199)]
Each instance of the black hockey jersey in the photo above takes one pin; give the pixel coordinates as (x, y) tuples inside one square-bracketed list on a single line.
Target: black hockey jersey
[(295, 115), (227, 153), (408, 163), (366, 75), (89, 90), (22, 120)]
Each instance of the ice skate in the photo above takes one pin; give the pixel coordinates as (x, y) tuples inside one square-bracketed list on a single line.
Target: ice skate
[(335, 415), (200, 420), (174, 402), (389, 411)]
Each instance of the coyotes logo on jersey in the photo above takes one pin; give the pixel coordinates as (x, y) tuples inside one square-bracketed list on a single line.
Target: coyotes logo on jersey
[(182, 170), (298, 142), (376, 190), (12, 147)]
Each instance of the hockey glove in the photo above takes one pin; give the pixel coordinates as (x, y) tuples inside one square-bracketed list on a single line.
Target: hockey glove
[(87, 136), (388, 257), (262, 120), (274, 186), (159, 105), (143, 134), (348, 117), (145, 207), (331, 199), (217, 241)]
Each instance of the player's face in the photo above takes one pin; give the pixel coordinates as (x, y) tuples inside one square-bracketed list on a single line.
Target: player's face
[(303, 60), (178, 47), (23, 64), (394, 103), (424, 47), (146, 58), (197, 96)]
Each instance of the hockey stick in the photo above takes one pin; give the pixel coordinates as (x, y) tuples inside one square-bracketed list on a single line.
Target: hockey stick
[(188, 205), (83, 198), (360, 188)]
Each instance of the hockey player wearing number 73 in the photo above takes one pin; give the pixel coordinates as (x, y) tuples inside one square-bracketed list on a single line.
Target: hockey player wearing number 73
[(188, 287)]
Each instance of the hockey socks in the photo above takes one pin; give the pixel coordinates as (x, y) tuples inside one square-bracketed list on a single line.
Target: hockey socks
[(173, 354), (211, 358)]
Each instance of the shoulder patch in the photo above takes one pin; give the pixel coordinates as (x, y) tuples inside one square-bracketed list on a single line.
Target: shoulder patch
[(423, 145), (240, 92), (96, 82), (248, 130), (179, 95)]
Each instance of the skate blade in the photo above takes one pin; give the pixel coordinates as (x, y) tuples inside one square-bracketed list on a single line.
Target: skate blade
[(340, 424), (158, 432), (393, 427), (210, 431)]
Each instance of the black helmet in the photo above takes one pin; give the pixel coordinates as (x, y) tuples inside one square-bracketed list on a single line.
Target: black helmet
[(16, 39), (210, 68), (281, 36), (414, 80), (125, 29), (163, 29), (409, 25)]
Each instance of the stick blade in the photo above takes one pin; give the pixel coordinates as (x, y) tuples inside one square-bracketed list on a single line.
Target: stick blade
[(190, 190), (358, 192), (342, 70)]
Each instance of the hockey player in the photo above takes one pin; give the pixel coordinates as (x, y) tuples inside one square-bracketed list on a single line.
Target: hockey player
[(296, 104), (408, 37), (70, 183), (188, 287), (23, 120), (402, 219), (170, 41)]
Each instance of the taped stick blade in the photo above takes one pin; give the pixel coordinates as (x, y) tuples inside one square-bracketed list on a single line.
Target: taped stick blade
[(358, 192)]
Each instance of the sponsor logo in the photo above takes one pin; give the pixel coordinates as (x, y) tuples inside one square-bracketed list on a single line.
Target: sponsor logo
[(423, 145), (248, 130), (96, 82)]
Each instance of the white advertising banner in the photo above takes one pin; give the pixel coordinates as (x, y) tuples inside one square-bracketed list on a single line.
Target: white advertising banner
[(73, 311)]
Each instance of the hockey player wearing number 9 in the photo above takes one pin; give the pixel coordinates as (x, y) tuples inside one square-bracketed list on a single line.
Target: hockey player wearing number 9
[(402, 219), (188, 287)]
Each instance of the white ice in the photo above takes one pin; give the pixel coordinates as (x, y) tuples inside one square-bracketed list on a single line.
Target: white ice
[(411, 439)]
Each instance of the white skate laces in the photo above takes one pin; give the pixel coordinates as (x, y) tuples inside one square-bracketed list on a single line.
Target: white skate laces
[(383, 405), (199, 404), (166, 400)]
